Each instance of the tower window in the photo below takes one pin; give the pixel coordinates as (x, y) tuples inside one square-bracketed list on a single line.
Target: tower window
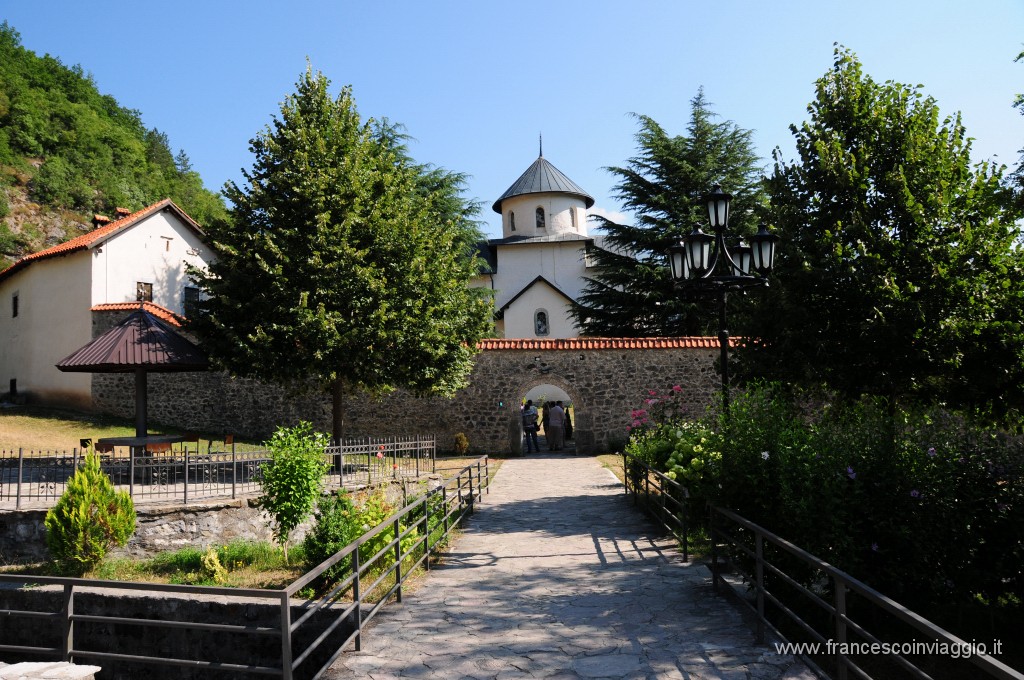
[(540, 322), (14, 305), (540, 218), (512, 220), (144, 292), (572, 214)]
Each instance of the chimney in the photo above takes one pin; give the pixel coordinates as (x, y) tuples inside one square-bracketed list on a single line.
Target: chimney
[(122, 212), (99, 221)]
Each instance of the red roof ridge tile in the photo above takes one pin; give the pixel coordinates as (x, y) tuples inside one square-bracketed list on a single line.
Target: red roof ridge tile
[(156, 310), (694, 342)]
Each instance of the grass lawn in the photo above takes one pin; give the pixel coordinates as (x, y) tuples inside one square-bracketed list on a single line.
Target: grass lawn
[(36, 428)]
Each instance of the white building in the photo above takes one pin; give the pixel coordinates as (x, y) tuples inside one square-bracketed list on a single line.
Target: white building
[(47, 298), (536, 269)]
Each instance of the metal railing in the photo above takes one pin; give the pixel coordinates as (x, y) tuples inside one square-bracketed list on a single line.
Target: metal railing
[(829, 594), (664, 499), (310, 633), (188, 475)]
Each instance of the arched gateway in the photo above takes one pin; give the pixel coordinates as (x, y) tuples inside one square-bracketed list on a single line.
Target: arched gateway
[(605, 379)]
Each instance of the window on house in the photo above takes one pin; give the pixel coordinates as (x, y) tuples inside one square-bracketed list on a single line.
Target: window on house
[(144, 292), (540, 218), (572, 214), (14, 305), (190, 302), (512, 220), (540, 322), (167, 243)]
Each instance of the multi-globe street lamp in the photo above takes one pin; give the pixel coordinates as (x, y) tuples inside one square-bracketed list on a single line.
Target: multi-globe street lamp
[(703, 265)]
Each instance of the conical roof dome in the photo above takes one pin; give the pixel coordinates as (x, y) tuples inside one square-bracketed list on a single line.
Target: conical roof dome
[(542, 177)]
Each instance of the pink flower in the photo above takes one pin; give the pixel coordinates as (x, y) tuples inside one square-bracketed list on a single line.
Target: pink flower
[(651, 392), (380, 454), (677, 388)]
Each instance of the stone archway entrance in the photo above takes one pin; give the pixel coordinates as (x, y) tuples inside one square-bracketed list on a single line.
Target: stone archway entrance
[(545, 388)]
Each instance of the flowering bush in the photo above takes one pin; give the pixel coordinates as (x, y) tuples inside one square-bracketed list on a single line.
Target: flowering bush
[(924, 505)]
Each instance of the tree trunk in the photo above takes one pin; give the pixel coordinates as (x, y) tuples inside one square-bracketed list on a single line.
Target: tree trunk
[(337, 411)]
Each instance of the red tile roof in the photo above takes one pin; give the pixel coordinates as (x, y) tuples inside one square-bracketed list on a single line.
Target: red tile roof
[(98, 235), (154, 309), (602, 343)]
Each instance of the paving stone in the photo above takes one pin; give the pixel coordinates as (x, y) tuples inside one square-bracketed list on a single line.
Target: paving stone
[(557, 576)]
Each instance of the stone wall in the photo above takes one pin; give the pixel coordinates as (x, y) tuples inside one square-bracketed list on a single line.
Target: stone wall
[(157, 529), (604, 385)]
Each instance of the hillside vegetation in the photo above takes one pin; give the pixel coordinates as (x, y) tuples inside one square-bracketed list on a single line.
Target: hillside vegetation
[(67, 151)]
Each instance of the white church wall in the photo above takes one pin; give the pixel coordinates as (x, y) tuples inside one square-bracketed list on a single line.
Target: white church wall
[(520, 318), (558, 215), (559, 263)]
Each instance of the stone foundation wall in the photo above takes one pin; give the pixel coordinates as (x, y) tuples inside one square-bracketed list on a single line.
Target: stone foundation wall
[(157, 529), (603, 384)]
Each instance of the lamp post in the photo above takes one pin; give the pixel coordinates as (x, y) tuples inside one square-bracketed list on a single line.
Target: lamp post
[(703, 265)]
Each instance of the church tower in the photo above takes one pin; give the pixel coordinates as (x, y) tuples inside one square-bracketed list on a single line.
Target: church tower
[(536, 269)]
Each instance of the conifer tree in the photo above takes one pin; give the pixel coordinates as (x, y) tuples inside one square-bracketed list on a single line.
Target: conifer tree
[(345, 264), (631, 294)]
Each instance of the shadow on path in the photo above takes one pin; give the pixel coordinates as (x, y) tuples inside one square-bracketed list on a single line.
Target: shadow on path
[(558, 576)]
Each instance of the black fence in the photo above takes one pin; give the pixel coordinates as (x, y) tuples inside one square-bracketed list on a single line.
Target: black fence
[(663, 499), (70, 619), (188, 474), (841, 626)]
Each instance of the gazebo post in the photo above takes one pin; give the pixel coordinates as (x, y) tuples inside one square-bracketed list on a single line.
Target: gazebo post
[(141, 402)]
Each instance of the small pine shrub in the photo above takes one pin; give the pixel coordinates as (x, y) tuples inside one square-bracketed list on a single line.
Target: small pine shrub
[(89, 518), (461, 444)]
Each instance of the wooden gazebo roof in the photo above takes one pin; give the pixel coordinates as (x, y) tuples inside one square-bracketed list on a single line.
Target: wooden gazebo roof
[(141, 341)]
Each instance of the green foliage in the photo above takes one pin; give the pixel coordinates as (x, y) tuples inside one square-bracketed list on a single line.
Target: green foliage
[(664, 185), (336, 525), (461, 444), (346, 264), (97, 154), (898, 273), (340, 522), (89, 518), (292, 479), (923, 504)]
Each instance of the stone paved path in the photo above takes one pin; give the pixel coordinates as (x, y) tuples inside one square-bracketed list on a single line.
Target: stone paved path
[(558, 576)]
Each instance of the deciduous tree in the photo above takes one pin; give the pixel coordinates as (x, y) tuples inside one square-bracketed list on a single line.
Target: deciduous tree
[(346, 263), (898, 272)]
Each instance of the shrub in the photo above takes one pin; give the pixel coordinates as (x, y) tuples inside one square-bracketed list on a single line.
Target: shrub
[(336, 524), (89, 518), (461, 444), (292, 479)]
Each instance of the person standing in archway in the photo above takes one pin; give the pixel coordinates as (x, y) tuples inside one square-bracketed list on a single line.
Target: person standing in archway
[(554, 431), (530, 427)]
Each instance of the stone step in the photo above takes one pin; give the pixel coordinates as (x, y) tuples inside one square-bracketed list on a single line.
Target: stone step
[(50, 670)]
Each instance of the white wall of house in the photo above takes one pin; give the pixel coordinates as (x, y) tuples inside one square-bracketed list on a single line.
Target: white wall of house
[(153, 251), (562, 214), (520, 317), (53, 321)]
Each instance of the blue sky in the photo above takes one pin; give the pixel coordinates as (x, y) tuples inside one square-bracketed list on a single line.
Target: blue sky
[(475, 83)]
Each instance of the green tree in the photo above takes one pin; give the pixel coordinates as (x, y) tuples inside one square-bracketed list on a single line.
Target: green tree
[(346, 264), (90, 517), (632, 295), (291, 481), (898, 272)]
